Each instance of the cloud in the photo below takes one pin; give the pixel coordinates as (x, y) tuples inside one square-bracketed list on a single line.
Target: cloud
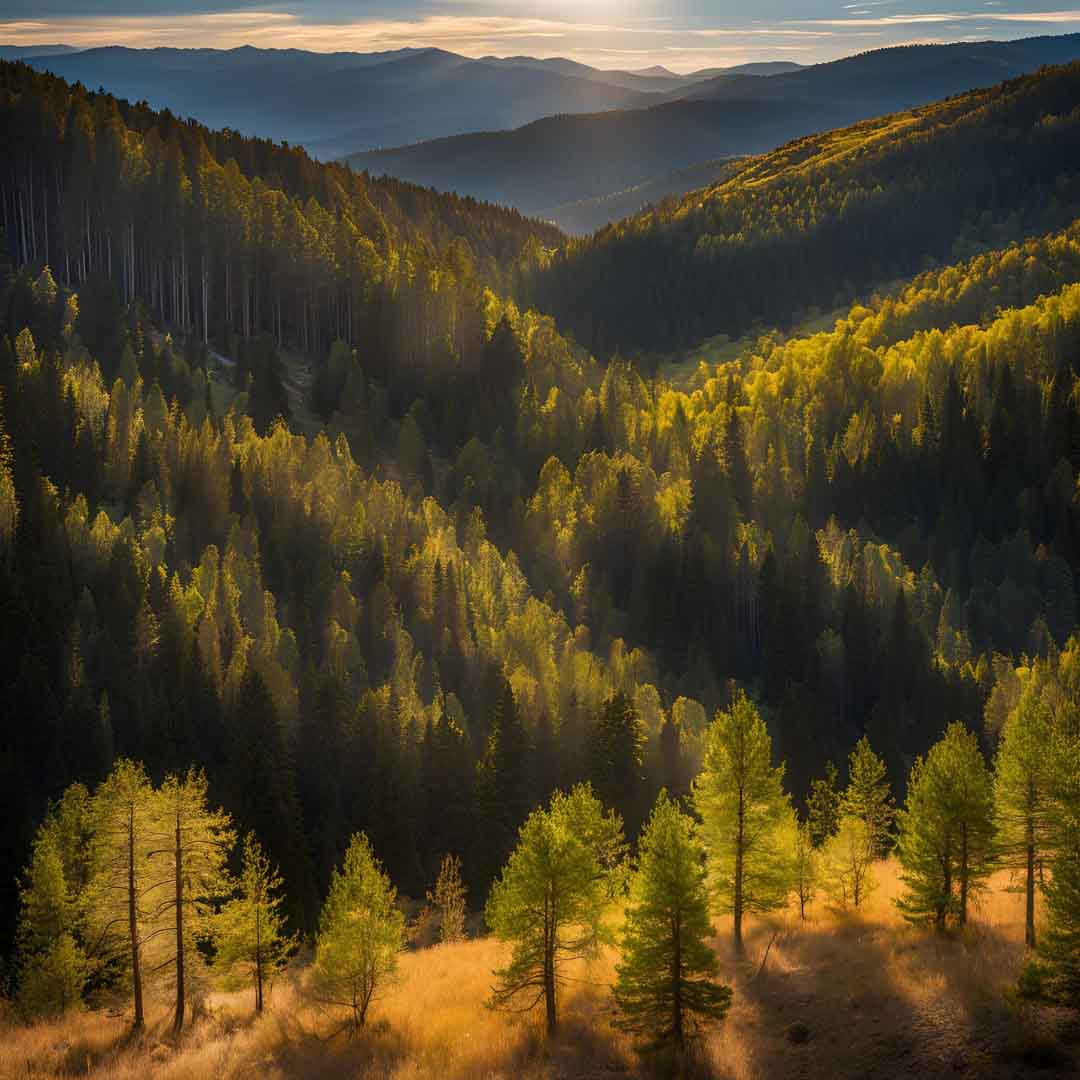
[(604, 34)]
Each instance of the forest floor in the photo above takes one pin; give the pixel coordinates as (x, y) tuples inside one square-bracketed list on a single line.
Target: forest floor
[(839, 996)]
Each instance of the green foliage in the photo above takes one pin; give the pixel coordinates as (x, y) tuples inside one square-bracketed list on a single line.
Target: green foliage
[(746, 815), (250, 932), (868, 797), (616, 756), (847, 864), (52, 967), (448, 899), (549, 901), (123, 896), (667, 976), (361, 933), (1025, 785), (946, 846), (823, 806), (806, 866)]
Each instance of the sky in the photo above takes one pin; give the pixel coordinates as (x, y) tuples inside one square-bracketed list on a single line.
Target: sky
[(682, 35)]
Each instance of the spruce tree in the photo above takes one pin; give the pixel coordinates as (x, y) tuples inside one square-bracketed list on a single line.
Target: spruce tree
[(667, 977), (253, 942), (616, 756), (868, 796), (448, 899), (52, 967), (122, 896), (361, 933), (1024, 785), (745, 814), (567, 867), (191, 844), (823, 806), (946, 844)]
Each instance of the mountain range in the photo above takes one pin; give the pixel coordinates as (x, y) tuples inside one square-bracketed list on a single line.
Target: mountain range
[(544, 166), (335, 103)]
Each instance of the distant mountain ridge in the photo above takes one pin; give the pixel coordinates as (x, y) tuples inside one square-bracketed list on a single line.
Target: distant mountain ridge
[(341, 102), (568, 159), (332, 103)]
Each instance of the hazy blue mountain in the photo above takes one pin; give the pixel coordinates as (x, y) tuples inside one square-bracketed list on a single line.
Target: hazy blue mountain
[(30, 52), (566, 159), (333, 103)]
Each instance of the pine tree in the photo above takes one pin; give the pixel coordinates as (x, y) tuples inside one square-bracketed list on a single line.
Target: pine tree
[(616, 755), (823, 805), (253, 943), (122, 896), (869, 797), (448, 899), (847, 864), (191, 844), (946, 845), (550, 898), (1053, 974), (805, 863), (1027, 816), (745, 815), (51, 968), (667, 977), (361, 933)]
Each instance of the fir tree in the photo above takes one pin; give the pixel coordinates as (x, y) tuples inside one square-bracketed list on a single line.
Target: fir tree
[(550, 898), (1024, 784), (869, 797), (667, 977), (253, 943), (51, 968), (122, 896), (616, 755), (946, 845), (448, 899), (823, 805), (745, 815), (361, 933), (191, 844)]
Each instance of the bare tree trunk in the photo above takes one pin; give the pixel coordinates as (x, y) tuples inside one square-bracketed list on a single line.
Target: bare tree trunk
[(178, 1019), (133, 927)]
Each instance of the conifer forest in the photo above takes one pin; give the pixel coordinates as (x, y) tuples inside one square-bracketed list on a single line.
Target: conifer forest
[(436, 645)]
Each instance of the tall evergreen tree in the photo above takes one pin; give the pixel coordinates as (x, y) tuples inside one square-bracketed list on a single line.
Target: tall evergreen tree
[(549, 901), (122, 895), (868, 796), (667, 978), (190, 847), (946, 845), (1024, 787), (616, 757), (361, 933), (253, 943), (745, 815)]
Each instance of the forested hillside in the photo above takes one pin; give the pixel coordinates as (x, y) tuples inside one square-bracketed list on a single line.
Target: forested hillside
[(824, 219), (296, 489)]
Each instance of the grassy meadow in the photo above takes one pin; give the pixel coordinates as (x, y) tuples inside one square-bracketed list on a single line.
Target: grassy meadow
[(837, 996)]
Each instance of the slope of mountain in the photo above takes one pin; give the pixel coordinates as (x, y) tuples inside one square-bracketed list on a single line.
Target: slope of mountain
[(335, 102), (568, 159), (30, 52), (585, 216), (827, 217)]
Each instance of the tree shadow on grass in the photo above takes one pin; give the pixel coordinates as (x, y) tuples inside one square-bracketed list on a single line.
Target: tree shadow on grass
[(879, 1000)]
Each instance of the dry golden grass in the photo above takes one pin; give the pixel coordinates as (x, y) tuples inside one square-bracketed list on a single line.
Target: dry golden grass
[(879, 999)]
